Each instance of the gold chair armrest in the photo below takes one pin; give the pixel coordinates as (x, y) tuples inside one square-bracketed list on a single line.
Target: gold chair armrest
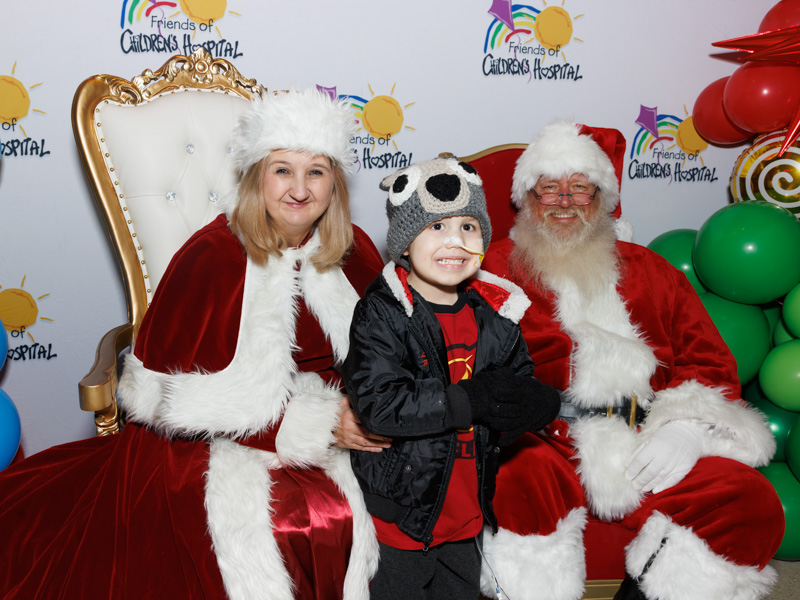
[(98, 389)]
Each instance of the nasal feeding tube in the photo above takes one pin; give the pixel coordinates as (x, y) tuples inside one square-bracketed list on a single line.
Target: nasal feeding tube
[(457, 242)]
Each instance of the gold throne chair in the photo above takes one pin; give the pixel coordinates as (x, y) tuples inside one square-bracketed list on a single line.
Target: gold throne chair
[(156, 152)]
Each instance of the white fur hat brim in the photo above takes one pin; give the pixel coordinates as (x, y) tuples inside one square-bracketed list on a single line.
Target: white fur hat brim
[(560, 149), (302, 121)]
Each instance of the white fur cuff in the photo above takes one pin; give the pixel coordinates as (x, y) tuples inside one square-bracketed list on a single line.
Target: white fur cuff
[(736, 430), (603, 445), (537, 567), (685, 568), (306, 435)]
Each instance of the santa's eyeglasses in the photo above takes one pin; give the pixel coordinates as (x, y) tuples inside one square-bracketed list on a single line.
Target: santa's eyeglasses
[(579, 194)]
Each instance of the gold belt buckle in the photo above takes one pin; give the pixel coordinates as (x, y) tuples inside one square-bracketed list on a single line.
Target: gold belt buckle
[(631, 417)]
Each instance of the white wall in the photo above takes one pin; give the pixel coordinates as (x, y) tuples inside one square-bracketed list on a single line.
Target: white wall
[(426, 55)]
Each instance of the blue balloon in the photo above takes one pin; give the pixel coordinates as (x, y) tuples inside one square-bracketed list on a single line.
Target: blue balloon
[(10, 428)]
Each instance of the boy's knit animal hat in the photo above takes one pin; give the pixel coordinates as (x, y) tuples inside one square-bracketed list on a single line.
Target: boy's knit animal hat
[(426, 192)]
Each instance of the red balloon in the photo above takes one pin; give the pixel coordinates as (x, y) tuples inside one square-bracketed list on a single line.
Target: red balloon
[(784, 14), (762, 96), (710, 119)]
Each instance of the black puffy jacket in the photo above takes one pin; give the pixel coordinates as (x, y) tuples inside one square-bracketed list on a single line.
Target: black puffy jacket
[(398, 381)]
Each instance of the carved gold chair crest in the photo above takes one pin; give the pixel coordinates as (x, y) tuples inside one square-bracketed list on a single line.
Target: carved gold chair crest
[(156, 151)]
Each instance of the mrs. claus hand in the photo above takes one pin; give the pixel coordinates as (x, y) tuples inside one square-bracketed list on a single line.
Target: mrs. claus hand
[(351, 434)]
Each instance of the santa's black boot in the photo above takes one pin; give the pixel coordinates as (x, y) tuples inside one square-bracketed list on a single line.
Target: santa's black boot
[(629, 590)]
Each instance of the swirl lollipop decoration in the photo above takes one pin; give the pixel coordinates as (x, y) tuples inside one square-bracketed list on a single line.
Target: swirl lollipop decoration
[(760, 174)]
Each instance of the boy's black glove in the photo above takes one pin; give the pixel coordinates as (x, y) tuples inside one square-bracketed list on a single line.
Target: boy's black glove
[(508, 402), (479, 392), (538, 405)]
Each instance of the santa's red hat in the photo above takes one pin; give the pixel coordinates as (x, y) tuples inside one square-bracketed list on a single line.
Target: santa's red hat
[(565, 147)]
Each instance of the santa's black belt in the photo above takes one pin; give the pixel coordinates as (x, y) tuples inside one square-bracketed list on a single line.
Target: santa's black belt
[(630, 411)]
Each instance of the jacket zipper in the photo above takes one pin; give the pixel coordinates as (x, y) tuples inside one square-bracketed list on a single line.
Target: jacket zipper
[(427, 537)]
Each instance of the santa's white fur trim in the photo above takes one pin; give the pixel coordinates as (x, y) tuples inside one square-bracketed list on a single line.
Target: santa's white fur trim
[(603, 445), (559, 150), (303, 121), (624, 229), (251, 392), (517, 303), (240, 523), (685, 568), (306, 433), (537, 567), (735, 430), (611, 360)]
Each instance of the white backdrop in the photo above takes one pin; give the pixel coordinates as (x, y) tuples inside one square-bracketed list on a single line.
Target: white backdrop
[(58, 276)]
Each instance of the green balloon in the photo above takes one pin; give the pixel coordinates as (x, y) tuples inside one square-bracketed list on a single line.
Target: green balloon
[(749, 252), (793, 450), (676, 246), (772, 310), (780, 334), (780, 375), (788, 489), (744, 328), (791, 311), (780, 421)]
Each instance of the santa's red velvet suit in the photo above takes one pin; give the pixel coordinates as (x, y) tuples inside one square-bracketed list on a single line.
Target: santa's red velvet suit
[(225, 480), (649, 337)]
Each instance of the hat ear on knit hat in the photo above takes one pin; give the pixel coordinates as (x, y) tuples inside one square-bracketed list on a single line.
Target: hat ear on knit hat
[(300, 121), (426, 192), (564, 148)]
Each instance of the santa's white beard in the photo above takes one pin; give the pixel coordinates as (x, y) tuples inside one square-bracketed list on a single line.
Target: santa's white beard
[(583, 254)]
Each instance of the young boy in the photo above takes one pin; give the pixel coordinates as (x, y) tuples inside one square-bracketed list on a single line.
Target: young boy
[(437, 363)]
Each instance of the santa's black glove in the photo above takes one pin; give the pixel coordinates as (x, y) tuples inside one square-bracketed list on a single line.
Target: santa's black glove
[(537, 405)]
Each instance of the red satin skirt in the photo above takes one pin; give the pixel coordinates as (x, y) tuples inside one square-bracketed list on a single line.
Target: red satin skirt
[(124, 517)]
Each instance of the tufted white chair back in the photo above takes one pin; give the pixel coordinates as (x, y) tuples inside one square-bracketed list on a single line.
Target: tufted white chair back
[(157, 153), (172, 163)]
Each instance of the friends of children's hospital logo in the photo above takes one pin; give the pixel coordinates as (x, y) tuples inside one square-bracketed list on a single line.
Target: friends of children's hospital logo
[(529, 42), (16, 106), (181, 26), (19, 311), (381, 119), (667, 147)]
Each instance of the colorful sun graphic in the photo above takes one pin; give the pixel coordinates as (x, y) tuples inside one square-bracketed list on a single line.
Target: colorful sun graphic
[(203, 12), (19, 311), (687, 137), (382, 116), (669, 131), (15, 101), (552, 26)]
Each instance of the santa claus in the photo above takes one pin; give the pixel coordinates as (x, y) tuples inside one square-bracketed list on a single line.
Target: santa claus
[(653, 434)]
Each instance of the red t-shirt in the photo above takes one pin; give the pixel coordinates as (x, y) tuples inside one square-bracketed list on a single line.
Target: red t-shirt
[(461, 516)]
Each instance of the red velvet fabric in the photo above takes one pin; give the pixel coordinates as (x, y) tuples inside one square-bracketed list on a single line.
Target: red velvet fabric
[(726, 503), (660, 301), (497, 172), (124, 516)]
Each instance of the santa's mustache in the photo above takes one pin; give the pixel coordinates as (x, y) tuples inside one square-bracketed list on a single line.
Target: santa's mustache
[(565, 212)]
